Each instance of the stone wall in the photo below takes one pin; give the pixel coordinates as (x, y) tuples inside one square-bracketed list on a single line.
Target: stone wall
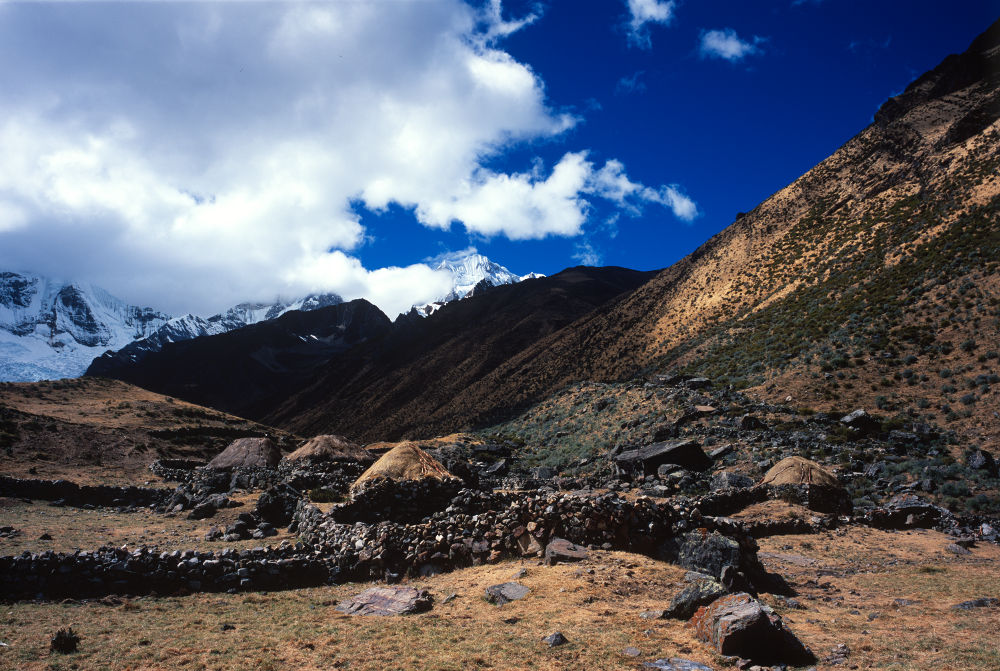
[(77, 495), (52, 575)]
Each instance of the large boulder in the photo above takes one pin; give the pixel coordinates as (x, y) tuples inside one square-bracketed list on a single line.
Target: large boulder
[(708, 553), (560, 550), (981, 460), (686, 453), (861, 421), (738, 624)]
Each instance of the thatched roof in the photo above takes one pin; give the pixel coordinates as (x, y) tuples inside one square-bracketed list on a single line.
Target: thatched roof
[(331, 448), (405, 462), (799, 471), (259, 452)]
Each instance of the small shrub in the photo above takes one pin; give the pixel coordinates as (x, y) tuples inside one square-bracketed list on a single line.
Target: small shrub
[(65, 641)]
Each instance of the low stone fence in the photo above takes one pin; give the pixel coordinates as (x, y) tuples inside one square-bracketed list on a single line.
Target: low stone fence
[(175, 470), (78, 495), (52, 575), (307, 474), (405, 501), (483, 527)]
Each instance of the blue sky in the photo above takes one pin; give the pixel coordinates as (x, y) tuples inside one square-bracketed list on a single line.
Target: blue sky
[(192, 155)]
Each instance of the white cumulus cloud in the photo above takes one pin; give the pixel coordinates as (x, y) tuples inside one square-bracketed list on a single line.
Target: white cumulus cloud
[(727, 45), (644, 12), (193, 155)]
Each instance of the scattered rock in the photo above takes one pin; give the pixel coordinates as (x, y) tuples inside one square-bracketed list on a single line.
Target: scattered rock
[(738, 624), (387, 601), (506, 592), (730, 480), (653, 614), (554, 639), (631, 652), (982, 602), (861, 421), (561, 550), (45, 536), (838, 655), (520, 573), (751, 423), (697, 594), (957, 549), (676, 664), (65, 641), (227, 627), (981, 460)]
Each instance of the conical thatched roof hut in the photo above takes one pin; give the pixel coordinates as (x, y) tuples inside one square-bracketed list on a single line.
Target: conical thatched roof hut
[(331, 448), (799, 471), (404, 462), (258, 452)]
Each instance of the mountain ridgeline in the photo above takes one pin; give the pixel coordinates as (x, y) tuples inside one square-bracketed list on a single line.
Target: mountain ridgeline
[(873, 280), (348, 369), (254, 367)]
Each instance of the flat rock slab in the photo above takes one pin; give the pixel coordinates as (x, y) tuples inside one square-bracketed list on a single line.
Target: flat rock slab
[(676, 664), (984, 602), (506, 592), (560, 550), (387, 601)]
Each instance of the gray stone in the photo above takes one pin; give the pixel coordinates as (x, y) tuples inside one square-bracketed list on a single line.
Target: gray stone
[(560, 550), (982, 602), (862, 421), (506, 592), (697, 594), (387, 601), (555, 638), (676, 664), (730, 480)]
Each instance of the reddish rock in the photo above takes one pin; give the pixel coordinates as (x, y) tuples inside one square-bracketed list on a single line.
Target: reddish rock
[(738, 624)]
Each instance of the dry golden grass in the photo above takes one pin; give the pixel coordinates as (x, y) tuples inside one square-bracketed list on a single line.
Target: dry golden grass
[(842, 577), (104, 403), (79, 529)]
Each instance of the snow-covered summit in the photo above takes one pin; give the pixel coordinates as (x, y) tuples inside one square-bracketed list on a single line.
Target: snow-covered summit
[(192, 326), (469, 270), (52, 329)]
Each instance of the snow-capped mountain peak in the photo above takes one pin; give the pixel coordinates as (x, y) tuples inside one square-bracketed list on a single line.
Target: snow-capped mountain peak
[(469, 270), (52, 329)]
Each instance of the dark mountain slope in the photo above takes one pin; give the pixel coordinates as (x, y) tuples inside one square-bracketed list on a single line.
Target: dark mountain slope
[(869, 281), (415, 380), (252, 367)]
